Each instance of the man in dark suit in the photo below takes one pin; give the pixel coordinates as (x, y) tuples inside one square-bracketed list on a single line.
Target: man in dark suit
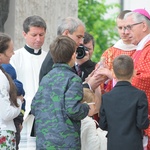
[(124, 110), (86, 64), (75, 29)]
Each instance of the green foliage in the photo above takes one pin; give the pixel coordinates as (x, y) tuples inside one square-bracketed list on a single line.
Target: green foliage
[(94, 14)]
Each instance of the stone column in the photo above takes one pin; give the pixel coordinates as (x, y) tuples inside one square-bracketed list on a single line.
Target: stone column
[(50, 10), (4, 10)]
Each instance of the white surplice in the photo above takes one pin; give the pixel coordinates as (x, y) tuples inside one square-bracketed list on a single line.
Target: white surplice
[(27, 67)]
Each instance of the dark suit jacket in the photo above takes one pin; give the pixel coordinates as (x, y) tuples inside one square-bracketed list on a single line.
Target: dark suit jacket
[(86, 68), (124, 113), (46, 66)]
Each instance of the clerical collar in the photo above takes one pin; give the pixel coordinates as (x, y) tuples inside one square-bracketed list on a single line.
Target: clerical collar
[(32, 51)]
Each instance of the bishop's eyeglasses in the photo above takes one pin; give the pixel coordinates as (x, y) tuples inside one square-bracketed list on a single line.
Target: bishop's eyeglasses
[(129, 27)]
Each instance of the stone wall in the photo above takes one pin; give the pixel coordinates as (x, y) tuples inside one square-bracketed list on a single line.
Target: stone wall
[(4, 10), (50, 10)]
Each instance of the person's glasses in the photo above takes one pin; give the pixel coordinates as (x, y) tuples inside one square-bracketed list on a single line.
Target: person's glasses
[(129, 27)]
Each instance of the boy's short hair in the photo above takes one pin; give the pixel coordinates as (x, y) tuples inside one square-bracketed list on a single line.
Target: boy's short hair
[(88, 96), (123, 67), (62, 49)]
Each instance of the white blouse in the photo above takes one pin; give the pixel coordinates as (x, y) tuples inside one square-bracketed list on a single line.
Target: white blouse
[(7, 111)]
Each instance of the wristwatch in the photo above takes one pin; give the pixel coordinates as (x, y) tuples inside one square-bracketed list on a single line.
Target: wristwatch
[(86, 85)]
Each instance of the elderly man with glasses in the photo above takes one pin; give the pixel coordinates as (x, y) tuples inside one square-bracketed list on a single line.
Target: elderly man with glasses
[(138, 27)]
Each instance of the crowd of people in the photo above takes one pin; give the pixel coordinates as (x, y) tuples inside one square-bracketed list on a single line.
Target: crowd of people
[(49, 99)]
